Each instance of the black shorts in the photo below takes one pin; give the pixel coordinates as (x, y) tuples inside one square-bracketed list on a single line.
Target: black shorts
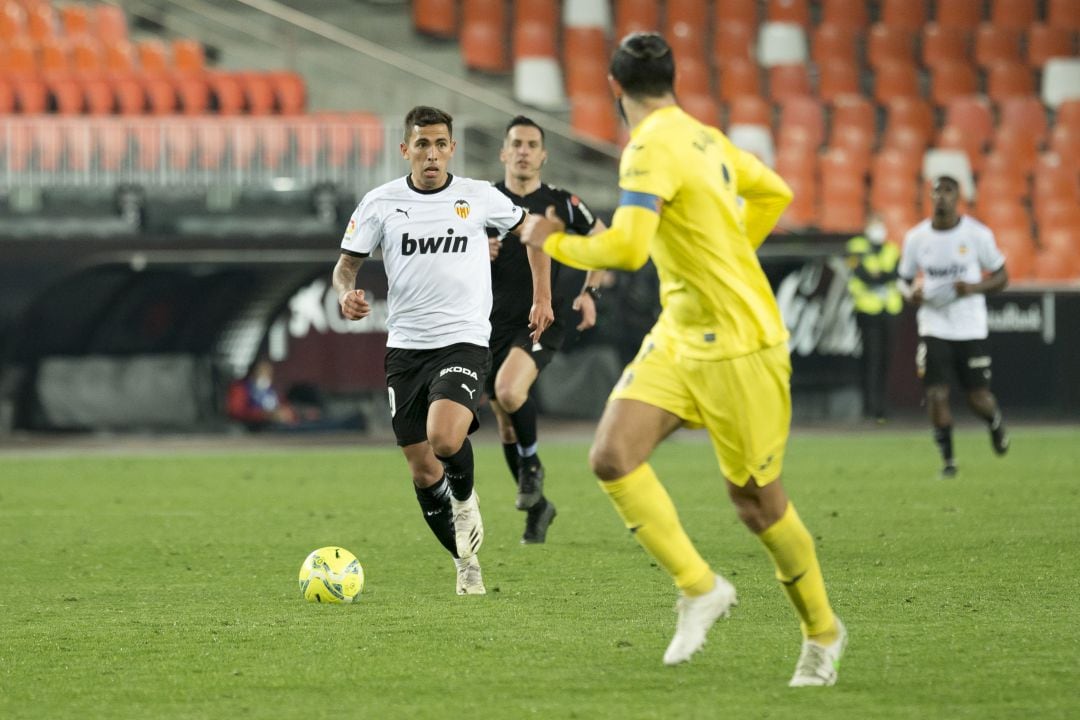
[(541, 353), (939, 361), (417, 378)]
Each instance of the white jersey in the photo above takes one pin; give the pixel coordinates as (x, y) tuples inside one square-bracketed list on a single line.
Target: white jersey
[(944, 257), (435, 252)]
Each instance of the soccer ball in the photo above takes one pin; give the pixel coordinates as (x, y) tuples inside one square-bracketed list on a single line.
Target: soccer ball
[(331, 575)]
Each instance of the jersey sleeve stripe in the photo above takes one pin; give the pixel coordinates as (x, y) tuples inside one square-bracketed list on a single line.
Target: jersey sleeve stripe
[(640, 199), (353, 253)]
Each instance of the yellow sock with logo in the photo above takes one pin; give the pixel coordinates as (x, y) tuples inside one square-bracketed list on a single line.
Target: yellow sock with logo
[(646, 508), (792, 550)]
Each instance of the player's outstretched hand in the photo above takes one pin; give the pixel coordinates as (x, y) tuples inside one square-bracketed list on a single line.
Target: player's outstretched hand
[(354, 306), (537, 228), (540, 318), (585, 305)]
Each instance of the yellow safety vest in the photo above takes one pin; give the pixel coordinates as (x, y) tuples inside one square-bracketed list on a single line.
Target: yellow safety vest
[(873, 277)]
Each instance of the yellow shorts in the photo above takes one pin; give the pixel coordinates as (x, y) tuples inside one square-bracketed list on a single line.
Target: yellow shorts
[(744, 402)]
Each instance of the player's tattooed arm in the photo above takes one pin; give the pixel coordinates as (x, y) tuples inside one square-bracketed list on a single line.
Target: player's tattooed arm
[(352, 302)]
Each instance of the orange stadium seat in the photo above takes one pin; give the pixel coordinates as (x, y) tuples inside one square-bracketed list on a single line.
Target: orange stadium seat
[(1047, 41), (98, 95), (1009, 80), (891, 161), (541, 11), (66, 95), (110, 23), (909, 112), (1025, 112), (693, 12), (193, 95), (75, 19), (7, 98), (744, 12), (1065, 141), (483, 35), (1019, 145), (53, 57), (1064, 14), (290, 92), (907, 14), (965, 14), (41, 21), (120, 57), (956, 138), (1057, 213), (802, 212), (995, 44), (740, 77), (1054, 266), (594, 115), (1054, 182), (437, 18), (837, 78), (842, 214), (1064, 239), (891, 190), (258, 93), (889, 44), (153, 58), (941, 43), (950, 80), (692, 77), (850, 14), (1012, 14), (188, 57), (898, 220), (895, 80), (854, 111), (732, 41), (998, 188), (749, 110), (839, 168), (973, 113), (12, 21), (1019, 250), (535, 39), (788, 81), (855, 141), (129, 94), (1068, 114), (226, 93), (805, 112), (585, 44), (160, 96), (31, 96), (18, 58), (831, 42), (788, 11), (636, 16), (87, 56), (702, 107)]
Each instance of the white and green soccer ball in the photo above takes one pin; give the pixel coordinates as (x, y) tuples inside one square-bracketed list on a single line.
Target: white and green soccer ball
[(331, 575)]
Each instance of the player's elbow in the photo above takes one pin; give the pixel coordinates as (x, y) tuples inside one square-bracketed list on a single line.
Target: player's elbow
[(635, 259)]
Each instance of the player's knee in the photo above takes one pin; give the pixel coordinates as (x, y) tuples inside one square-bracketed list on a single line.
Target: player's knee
[(607, 463), (937, 393), (445, 444), (510, 397), (427, 475)]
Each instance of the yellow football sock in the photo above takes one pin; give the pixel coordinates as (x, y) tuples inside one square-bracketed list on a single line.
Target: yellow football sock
[(792, 550), (646, 508)]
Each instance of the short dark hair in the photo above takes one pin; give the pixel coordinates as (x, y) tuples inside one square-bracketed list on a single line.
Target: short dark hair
[(527, 122), (644, 65), (423, 115), (947, 179)]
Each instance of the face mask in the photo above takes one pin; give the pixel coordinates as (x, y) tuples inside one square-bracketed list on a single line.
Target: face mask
[(875, 233)]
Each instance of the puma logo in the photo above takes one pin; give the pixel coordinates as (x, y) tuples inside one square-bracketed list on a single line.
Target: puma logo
[(468, 390), (403, 212)]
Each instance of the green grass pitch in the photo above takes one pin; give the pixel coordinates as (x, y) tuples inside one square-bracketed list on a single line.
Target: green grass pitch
[(164, 586)]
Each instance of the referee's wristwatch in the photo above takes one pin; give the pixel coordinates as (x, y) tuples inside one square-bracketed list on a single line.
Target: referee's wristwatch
[(593, 292)]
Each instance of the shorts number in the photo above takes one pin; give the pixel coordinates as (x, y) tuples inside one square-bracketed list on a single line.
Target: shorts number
[(393, 402)]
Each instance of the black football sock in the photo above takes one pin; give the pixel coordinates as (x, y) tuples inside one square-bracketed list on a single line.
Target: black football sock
[(524, 422), (459, 471), (943, 438), (435, 502), (510, 452)]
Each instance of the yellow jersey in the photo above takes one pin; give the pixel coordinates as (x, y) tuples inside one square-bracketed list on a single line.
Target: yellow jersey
[(717, 302)]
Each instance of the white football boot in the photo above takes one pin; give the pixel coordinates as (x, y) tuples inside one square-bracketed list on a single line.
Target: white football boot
[(469, 579), (696, 616), (818, 664), (468, 525)]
